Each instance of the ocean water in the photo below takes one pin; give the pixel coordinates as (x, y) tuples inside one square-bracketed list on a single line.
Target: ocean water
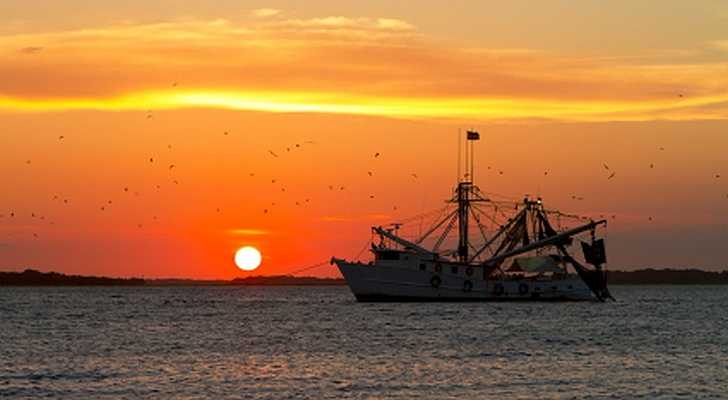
[(318, 343)]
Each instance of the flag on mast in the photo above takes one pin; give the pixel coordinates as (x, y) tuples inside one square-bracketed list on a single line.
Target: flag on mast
[(473, 135)]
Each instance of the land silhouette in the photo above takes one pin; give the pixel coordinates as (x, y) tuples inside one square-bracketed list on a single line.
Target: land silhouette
[(31, 277)]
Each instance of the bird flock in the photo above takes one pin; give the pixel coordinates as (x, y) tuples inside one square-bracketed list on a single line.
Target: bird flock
[(610, 175)]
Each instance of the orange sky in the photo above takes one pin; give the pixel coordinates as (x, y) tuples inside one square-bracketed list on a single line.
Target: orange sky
[(121, 84)]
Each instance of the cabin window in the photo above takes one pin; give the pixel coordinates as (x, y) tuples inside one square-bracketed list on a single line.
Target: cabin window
[(454, 270), (423, 267)]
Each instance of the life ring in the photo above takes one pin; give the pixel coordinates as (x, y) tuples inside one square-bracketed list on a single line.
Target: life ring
[(438, 268), (469, 271), (523, 288), (498, 289), (435, 281), (467, 286)]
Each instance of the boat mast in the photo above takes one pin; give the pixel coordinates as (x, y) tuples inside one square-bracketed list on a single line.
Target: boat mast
[(464, 192), (463, 215)]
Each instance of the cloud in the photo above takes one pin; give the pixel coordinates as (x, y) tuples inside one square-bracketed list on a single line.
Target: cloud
[(31, 50), (249, 232), (366, 217), (338, 64), (265, 12)]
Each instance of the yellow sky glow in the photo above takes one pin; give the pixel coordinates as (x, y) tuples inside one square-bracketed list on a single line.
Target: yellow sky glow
[(443, 108)]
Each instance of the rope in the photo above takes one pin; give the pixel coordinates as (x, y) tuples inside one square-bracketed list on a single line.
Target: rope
[(304, 269), (363, 249)]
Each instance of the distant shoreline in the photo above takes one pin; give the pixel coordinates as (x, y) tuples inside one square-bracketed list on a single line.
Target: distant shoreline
[(31, 277)]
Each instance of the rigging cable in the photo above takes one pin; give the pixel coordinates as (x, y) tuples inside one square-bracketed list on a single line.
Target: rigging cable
[(304, 269)]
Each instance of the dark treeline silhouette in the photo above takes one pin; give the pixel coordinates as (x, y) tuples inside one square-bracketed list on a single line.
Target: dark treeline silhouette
[(652, 276), (31, 277)]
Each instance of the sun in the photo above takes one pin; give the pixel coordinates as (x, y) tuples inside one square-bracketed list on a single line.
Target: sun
[(247, 258)]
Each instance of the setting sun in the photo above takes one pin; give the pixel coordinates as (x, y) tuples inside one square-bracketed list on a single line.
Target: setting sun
[(247, 258)]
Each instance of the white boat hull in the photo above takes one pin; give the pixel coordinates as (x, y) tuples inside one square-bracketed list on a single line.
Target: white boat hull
[(394, 283)]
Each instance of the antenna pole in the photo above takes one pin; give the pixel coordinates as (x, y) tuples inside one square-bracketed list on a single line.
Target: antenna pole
[(472, 158), (459, 153)]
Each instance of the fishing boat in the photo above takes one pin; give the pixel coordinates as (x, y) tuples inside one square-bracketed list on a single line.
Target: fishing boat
[(481, 247)]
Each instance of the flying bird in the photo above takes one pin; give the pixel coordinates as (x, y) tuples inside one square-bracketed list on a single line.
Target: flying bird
[(273, 153), (611, 175), (376, 155), (369, 173), (606, 167)]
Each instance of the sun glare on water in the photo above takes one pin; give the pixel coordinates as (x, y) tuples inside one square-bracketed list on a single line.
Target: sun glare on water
[(247, 258)]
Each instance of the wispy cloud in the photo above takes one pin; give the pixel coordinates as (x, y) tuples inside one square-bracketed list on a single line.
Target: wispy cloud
[(355, 218), (338, 64), (248, 232), (265, 12), (31, 50)]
